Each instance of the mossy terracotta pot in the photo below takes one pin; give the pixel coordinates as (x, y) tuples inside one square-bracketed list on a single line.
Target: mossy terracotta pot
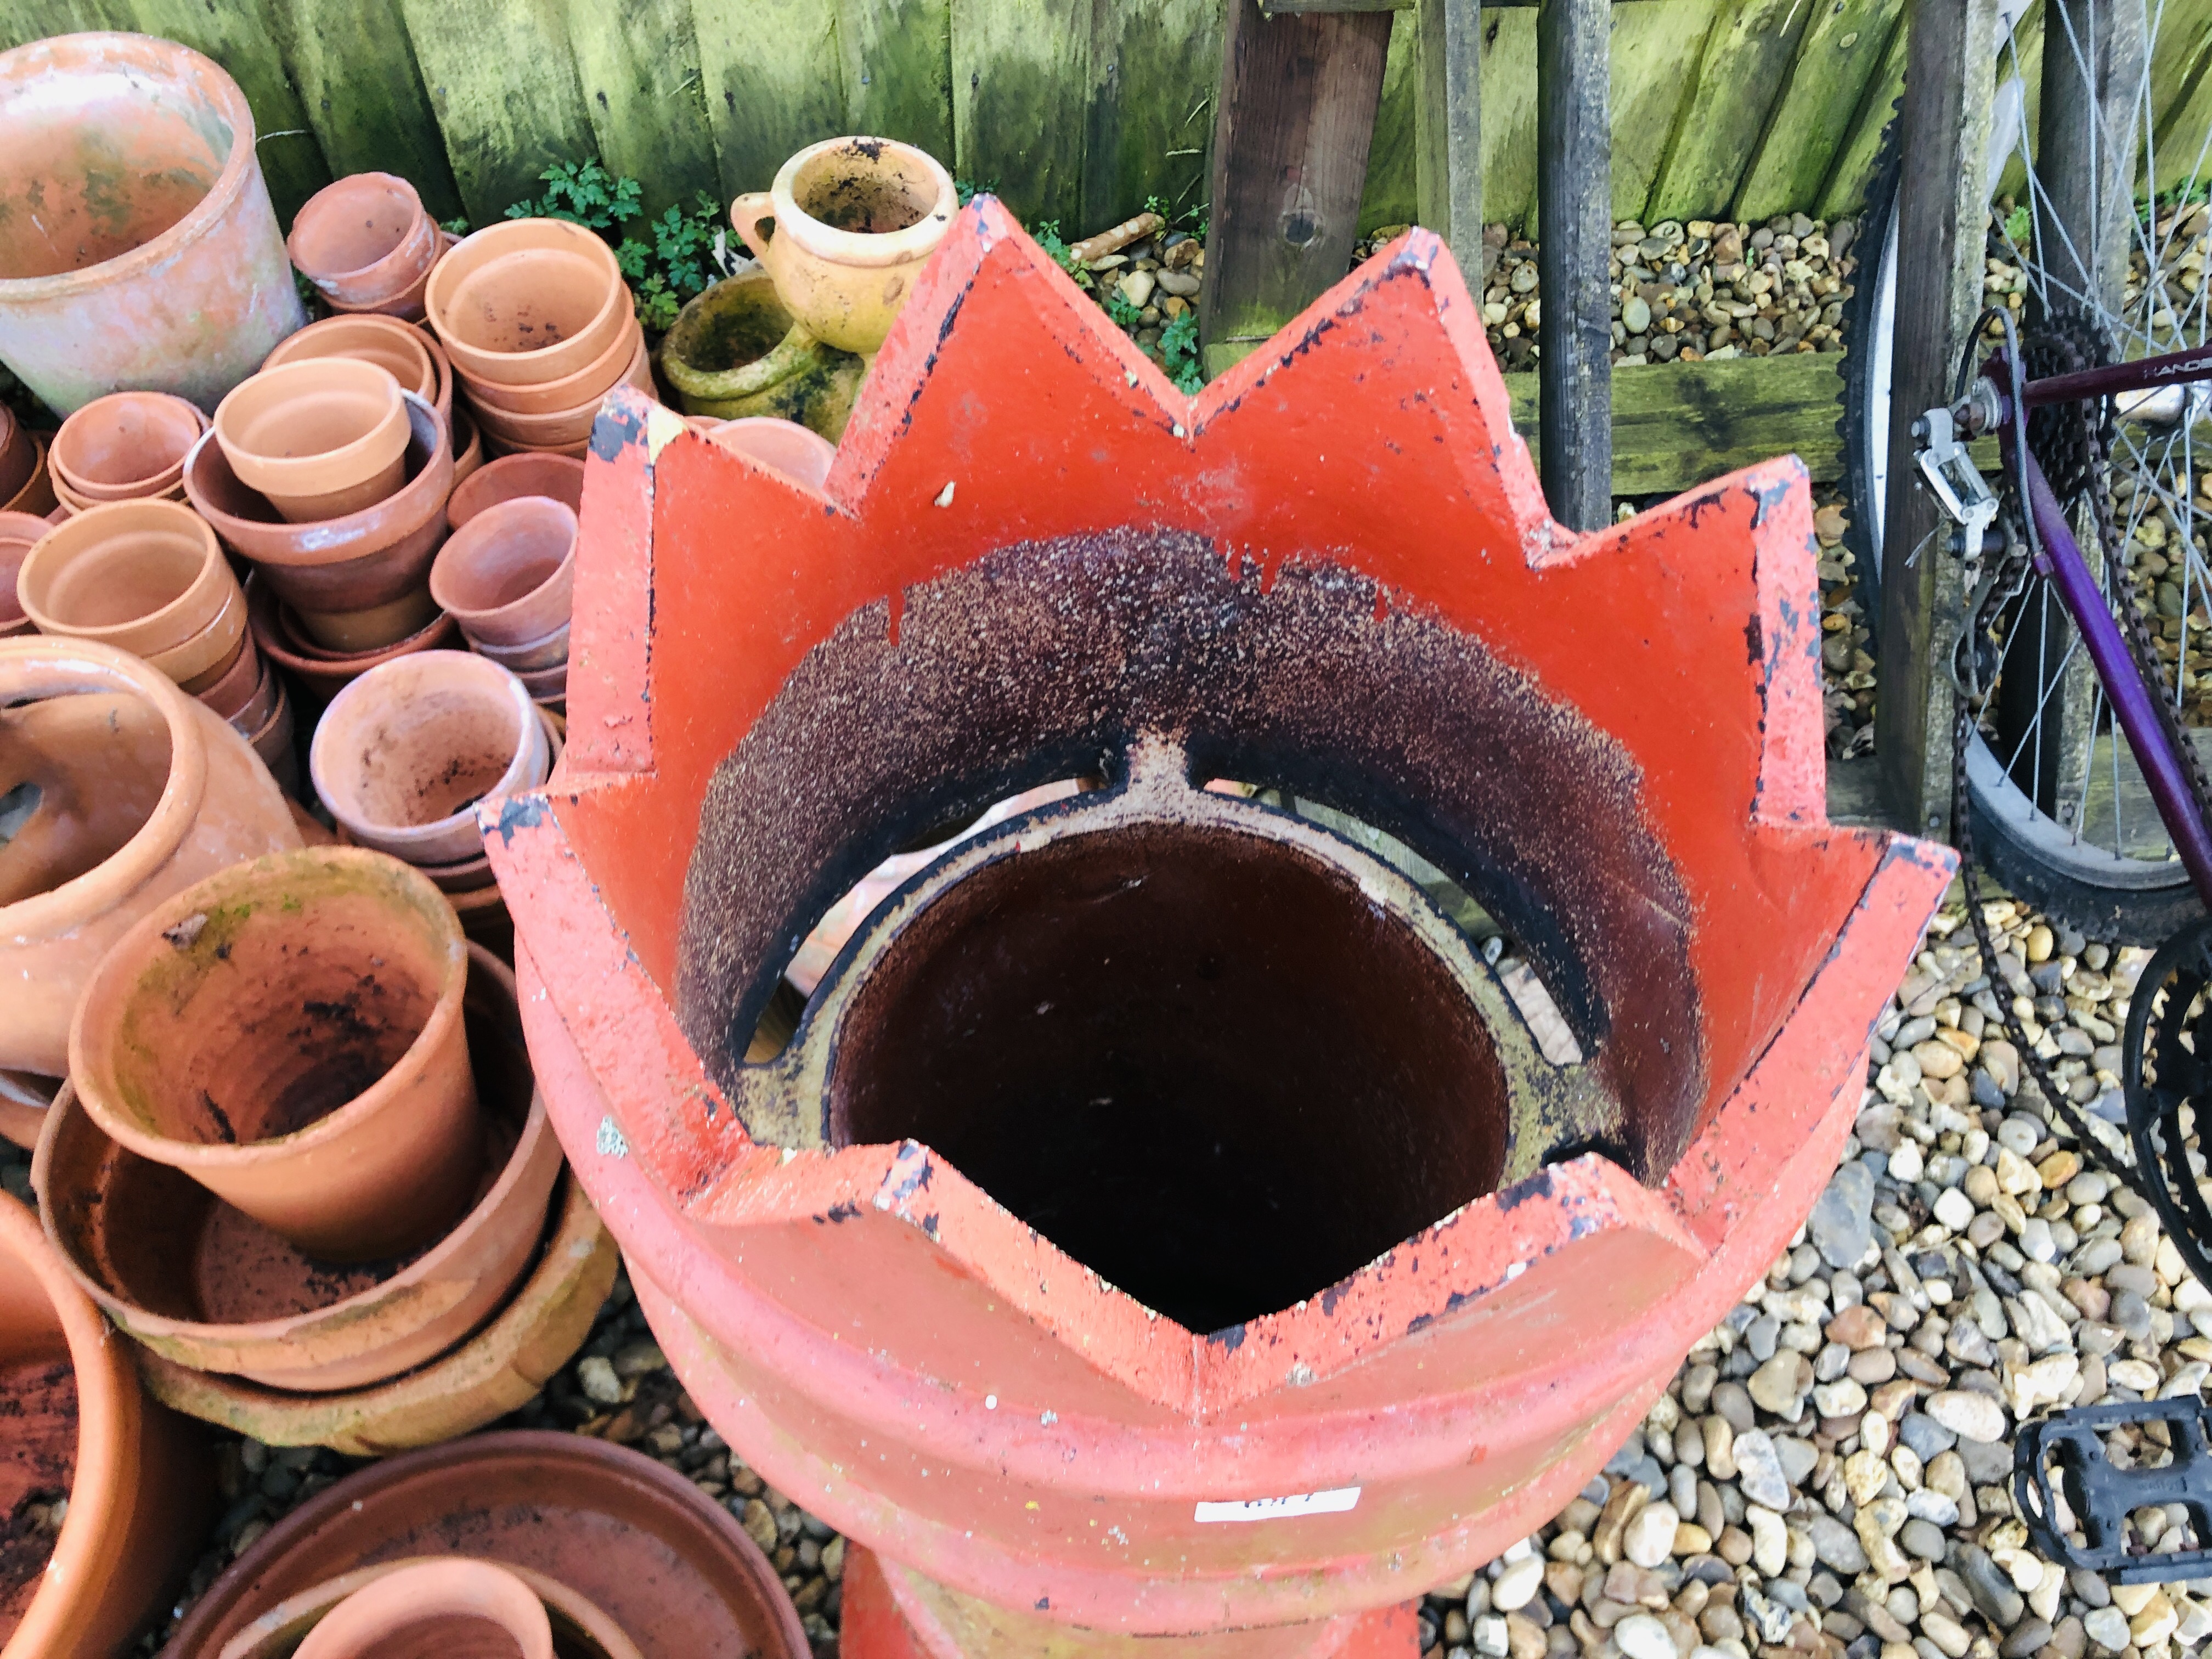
[(403, 753), (140, 792), (128, 445), (19, 534), (289, 1034), (508, 575), (160, 267), (856, 219), (559, 476), (321, 674), (142, 576), (449, 1609), (321, 439), (370, 558), (584, 388), (527, 301), (204, 1286), (364, 240), (140, 1482), (560, 428), (798, 454), (734, 351), (580, 1629), (411, 356)]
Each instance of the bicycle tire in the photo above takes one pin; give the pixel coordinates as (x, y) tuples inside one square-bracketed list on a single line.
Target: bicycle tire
[(1856, 426)]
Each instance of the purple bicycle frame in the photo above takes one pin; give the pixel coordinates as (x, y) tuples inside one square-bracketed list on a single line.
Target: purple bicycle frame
[(2058, 559)]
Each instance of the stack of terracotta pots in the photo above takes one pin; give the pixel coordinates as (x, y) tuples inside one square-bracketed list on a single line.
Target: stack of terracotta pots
[(403, 753), (150, 578), (25, 484), (126, 446), (508, 576), (19, 534), (301, 1160), (540, 327), (559, 476), (368, 245)]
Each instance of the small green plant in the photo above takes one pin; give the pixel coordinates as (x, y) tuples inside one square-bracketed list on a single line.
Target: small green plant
[(2018, 224), (1179, 354), (1124, 314), (1049, 238), (584, 193), (682, 253), (968, 189), (458, 224)]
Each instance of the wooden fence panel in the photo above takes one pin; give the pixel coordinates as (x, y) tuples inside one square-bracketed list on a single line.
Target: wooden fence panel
[(354, 69), (774, 80), (1653, 40), (1843, 192), (504, 86), (2181, 70), (1392, 193), (1154, 67), (1840, 50), (1021, 80), (1508, 116), (1749, 49), (638, 65), (898, 71)]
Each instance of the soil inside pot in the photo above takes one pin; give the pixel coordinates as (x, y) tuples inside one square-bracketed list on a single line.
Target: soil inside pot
[(79, 777), (38, 1462), (843, 190)]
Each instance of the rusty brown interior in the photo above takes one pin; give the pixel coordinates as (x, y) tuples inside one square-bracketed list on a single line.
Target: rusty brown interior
[(1202, 1063)]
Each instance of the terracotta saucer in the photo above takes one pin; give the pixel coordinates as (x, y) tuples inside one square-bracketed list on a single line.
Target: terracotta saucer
[(648, 1548)]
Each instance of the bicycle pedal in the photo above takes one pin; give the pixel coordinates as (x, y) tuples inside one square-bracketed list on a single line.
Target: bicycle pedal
[(2060, 1459)]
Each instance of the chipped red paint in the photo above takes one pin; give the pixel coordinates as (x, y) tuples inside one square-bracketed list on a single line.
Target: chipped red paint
[(897, 1352)]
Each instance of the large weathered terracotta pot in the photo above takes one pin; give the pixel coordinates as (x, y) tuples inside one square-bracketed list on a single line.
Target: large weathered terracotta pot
[(665, 1562), (559, 476), (139, 1481), (508, 575), (584, 388), (127, 446), (205, 1286), (322, 438), (372, 557), (411, 356), (160, 268), (364, 240), (289, 1034), (580, 1629), (405, 752), (527, 301), (734, 351), (142, 792), (856, 219)]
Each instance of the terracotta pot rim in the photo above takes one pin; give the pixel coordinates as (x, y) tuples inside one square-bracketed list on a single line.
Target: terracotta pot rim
[(163, 59), (862, 247), (493, 620), (214, 644), (75, 664), (512, 1176), (214, 570), (334, 541), (580, 1613), (41, 474), (261, 609), (441, 373), (306, 475), (359, 273), (787, 357), (153, 483), (134, 945), (568, 391), (461, 262), (518, 659), (110, 1409), (455, 1587), (511, 424), (490, 470)]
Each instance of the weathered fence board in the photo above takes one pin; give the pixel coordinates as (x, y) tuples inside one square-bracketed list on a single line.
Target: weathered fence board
[(366, 123), (504, 88), (1840, 50), (773, 80), (1392, 195), (1654, 44), (1154, 65), (898, 71), (1021, 79), (1843, 192), (1751, 45), (1509, 115), (638, 65)]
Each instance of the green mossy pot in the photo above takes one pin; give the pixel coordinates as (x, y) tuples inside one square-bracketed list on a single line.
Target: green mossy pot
[(734, 351)]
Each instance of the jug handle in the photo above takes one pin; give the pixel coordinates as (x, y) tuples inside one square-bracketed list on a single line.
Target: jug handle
[(745, 216)]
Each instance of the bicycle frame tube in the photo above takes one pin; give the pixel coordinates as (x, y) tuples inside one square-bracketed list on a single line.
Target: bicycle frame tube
[(2174, 369), (2059, 561)]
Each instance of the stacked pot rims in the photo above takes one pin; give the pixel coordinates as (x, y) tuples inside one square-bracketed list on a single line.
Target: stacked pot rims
[(368, 245), (128, 445), (410, 355), (25, 484), (508, 577), (540, 327), (148, 577)]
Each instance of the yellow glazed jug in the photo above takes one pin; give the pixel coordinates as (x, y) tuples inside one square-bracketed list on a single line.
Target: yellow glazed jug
[(855, 221)]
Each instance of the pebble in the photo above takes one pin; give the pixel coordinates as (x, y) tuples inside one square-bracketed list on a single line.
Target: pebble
[(1759, 1470), (1517, 1586), (1649, 1539), (1968, 1414), (598, 1381), (1841, 1225), (1640, 1636), (2108, 1628)]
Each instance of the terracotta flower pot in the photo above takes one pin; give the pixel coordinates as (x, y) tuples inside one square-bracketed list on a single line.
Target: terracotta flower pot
[(322, 438), (139, 1483), (544, 683), (141, 791), (351, 632), (527, 301), (18, 455), (125, 446), (402, 756), (580, 1629), (200, 661), (289, 1034), (453, 1608), (787, 446), (407, 305), (856, 219), (560, 427), (666, 1563), (531, 656), (364, 239), (233, 692), (410, 355), (555, 476), (274, 740), (254, 714), (734, 351), (355, 563), (144, 576), (19, 534), (468, 446), (206, 1287), (160, 268), (508, 575), (323, 675), (34, 496), (586, 385)]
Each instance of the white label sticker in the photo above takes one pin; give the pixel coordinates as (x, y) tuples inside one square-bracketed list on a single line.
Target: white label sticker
[(1335, 1502)]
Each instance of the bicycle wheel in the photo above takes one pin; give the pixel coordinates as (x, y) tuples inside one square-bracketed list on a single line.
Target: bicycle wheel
[(2098, 242)]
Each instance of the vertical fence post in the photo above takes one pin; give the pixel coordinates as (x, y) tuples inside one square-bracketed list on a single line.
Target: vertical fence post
[(1574, 214), (1942, 202), (1448, 128), (2085, 150)]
